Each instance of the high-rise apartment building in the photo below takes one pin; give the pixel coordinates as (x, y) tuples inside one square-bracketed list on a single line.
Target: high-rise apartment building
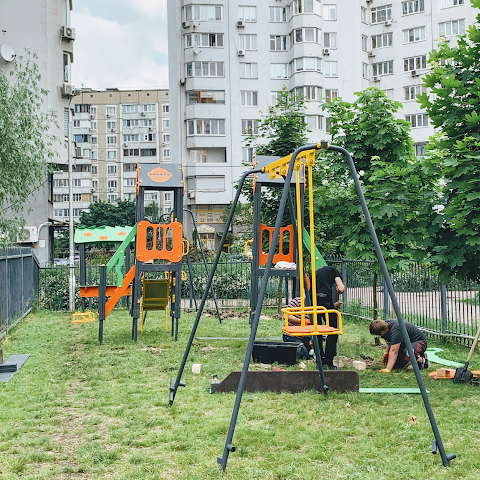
[(42, 27), (112, 131), (229, 59)]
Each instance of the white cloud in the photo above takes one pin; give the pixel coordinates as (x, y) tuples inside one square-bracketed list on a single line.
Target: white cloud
[(122, 54)]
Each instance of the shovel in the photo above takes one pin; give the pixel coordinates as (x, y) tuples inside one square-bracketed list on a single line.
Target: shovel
[(463, 375)]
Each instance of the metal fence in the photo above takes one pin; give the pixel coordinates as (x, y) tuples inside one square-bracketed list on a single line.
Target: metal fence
[(19, 282), (447, 310)]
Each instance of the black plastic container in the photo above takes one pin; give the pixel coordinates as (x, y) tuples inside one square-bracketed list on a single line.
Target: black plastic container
[(280, 352)]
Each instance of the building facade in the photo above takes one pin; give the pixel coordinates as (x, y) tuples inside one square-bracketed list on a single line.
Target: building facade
[(112, 131), (229, 60), (42, 27)]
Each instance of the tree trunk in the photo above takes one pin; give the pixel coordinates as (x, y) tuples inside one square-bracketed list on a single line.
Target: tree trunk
[(375, 301)]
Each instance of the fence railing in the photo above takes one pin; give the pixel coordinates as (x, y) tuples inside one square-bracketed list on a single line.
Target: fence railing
[(447, 310), (19, 283)]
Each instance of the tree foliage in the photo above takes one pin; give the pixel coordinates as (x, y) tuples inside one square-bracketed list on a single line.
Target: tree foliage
[(108, 214), (26, 144), (454, 107)]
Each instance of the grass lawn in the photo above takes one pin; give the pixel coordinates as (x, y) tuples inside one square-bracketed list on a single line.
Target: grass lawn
[(80, 410)]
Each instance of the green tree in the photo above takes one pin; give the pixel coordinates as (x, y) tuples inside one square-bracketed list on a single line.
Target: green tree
[(453, 105), (26, 145), (108, 214)]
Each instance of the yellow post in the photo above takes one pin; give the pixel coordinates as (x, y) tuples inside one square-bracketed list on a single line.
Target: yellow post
[(300, 241), (309, 165)]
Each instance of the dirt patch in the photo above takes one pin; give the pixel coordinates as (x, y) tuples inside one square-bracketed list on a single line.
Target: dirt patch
[(152, 350), (210, 349), (347, 362)]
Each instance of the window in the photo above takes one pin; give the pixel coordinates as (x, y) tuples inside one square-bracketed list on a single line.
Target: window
[(364, 43), (248, 99), (94, 155), (381, 14), (77, 212), (130, 152), (248, 70), (148, 137), (248, 154), (330, 95), (204, 69), (93, 110), (82, 108), (276, 96), (452, 3), (412, 91), (247, 14), (165, 108), (247, 42), (364, 70), (111, 154), (77, 182), (130, 123), (414, 63), (129, 182), (166, 124), (111, 169), (314, 122), (414, 35), (93, 125), (327, 124), (129, 108), (131, 137), (329, 12), (111, 125), (420, 149), (455, 27), (382, 41), (60, 182), (330, 69), (206, 127), (66, 121), (301, 35), (389, 93), (249, 127), (149, 107), (94, 169), (110, 110), (204, 40), (212, 155), (363, 14), (76, 123), (278, 70), (278, 14), (111, 139), (86, 154), (94, 140), (417, 120), (278, 43), (166, 138), (148, 152), (112, 198), (82, 138), (382, 68), (211, 13), (205, 96), (413, 6), (302, 6), (330, 40), (308, 92), (305, 63), (166, 152), (130, 167), (112, 184)]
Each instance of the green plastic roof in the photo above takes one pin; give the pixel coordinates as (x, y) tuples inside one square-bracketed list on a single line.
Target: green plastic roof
[(101, 234)]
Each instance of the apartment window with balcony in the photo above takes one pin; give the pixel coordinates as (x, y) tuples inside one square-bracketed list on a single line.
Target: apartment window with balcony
[(414, 63), (248, 154), (302, 35), (210, 13), (278, 14), (77, 182), (131, 137), (278, 43), (76, 123), (130, 123), (129, 108), (381, 14), (249, 127), (329, 12), (248, 98), (248, 70), (148, 137), (330, 95), (413, 6), (111, 169), (66, 69), (304, 6), (77, 212), (112, 184), (364, 43), (417, 120), (363, 14), (247, 42), (206, 127), (279, 70), (204, 40), (308, 92), (414, 35), (412, 91), (305, 64), (314, 122), (247, 13), (331, 69), (330, 40), (60, 182), (148, 152), (82, 138), (149, 107), (130, 167), (448, 29), (205, 96), (82, 108), (382, 41), (129, 182), (111, 154), (204, 69), (452, 3), (420, 149), (382, 68), (131, 152)]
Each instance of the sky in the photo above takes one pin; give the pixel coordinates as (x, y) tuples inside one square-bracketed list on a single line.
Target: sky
[(120, 43)]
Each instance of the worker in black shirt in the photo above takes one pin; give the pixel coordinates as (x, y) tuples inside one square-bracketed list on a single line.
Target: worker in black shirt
[(326, 278), (396, 355)]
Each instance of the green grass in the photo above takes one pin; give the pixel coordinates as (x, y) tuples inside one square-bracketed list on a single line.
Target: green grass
[(78, 410)]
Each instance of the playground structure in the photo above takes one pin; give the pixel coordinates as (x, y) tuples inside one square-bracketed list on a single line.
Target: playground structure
[(303, 156)]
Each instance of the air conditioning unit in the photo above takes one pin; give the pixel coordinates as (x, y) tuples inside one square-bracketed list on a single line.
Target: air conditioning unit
[(414, 73), (112, 130), (191, 195), (68, 33), (125, 144), (92, 190), (240, 23), (241, 53), (92, 117), (371, 53), (67, 90), (150, 129), (326, 51), (182, 82), (186, 24), (447, 39), (142, 114), (369, 1), (388, 23), (108, 115), (196, 50), (28, 235), (111, 189), (376, 79)]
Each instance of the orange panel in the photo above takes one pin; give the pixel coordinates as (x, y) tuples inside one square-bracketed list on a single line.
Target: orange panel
[(159, 252), (92, 291), (280, 256), (119, 291)]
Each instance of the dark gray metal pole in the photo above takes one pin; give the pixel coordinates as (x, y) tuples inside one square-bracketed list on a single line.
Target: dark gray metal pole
[(243, 377), (102, 289), (443, 299), (174, 384), (401, 321)]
